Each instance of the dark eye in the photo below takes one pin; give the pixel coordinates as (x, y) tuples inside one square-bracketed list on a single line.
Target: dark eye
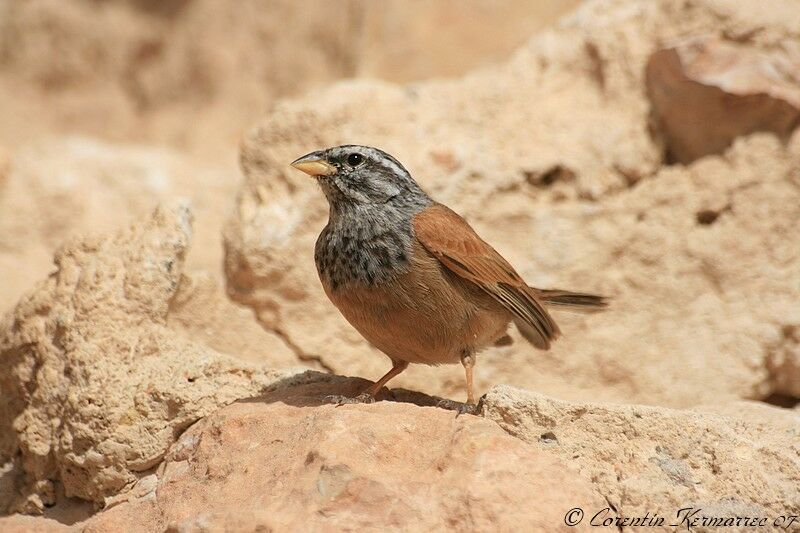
[(355, 159)]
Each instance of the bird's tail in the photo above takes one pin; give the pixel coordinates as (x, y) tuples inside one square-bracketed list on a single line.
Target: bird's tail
[(572, 301)]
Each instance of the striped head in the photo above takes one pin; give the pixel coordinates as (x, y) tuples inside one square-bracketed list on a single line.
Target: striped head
[(352, 175)]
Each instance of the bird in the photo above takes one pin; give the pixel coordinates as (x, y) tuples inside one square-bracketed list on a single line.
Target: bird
[(413, 277)]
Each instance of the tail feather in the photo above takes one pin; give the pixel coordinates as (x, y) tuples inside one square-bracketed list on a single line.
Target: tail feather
[(572, 301), (531, 335)]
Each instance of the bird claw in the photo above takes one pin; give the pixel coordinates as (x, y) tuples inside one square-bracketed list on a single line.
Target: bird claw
[(339, 400), (459, 407)]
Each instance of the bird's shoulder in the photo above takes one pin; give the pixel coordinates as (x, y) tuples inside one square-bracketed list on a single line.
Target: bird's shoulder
[(451, 239)]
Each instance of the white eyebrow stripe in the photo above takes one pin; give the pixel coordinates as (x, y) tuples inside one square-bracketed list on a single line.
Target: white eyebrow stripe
[(377, 155), (395, 168), (387, 160)]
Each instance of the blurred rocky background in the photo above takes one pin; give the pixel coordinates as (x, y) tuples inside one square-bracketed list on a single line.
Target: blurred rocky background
[(165, 345)]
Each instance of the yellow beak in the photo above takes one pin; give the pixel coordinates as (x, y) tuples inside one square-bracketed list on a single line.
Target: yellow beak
[(314, 165)]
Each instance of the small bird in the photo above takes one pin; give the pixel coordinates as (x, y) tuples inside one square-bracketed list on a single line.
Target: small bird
[(412, 276)]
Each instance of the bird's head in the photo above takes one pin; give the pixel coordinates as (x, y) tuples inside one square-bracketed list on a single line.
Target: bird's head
[(360, 175)]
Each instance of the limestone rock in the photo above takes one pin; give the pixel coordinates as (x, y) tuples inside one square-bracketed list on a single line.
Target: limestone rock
[(140, 70), (398, 36), (290, 459), (291, 462), (29, 524), (784, 361), (657, 460), (115, 370), (95, 386), (706, 93), (550, 159), (201, 311), (5, 165), (60, 188)]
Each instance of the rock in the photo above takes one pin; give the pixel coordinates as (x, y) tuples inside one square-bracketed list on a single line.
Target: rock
[(783, 361), (62, 187), (96, 387), (657, 460), (120, 372), (140, 70), (707, 93), (5, 165), (291, 462), (29, 524), (290, 459), (398, 36), (550, 159), (201, 311)]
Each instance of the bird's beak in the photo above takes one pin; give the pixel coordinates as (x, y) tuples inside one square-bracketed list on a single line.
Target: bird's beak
[(314, 164)]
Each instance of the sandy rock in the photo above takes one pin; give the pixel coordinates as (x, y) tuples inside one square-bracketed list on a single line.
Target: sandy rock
[(707, 93), (5, 165), (550, 158), (784, 361), (60, 188), (115, 368), (753, 412), (96, 387), (291, 462), (201, 311), (659, 460), (30, 524), (140, 70), (399, 35)]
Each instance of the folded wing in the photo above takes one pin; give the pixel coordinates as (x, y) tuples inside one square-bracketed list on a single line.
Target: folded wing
[(450, 239)]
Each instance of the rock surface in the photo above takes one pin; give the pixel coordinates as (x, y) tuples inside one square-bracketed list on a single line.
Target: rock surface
[(117, 370), (95, 386), (58, 188), (567, 183), (194, 73), (656, 460), (201, 311), (29, 524), (291, 460), (291, 463), (706, 94)]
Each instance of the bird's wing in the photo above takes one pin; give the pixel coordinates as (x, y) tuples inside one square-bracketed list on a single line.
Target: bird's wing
[(456, 245)]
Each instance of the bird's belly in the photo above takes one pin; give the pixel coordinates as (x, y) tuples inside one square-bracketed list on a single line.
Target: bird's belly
[(425, 316)]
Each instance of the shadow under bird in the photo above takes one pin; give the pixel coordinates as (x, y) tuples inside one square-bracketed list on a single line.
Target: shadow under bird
[(412, 276)]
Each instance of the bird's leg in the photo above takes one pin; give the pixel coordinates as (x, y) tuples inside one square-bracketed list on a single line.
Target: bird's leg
[(368, 396), (468, 360), (397, 368)]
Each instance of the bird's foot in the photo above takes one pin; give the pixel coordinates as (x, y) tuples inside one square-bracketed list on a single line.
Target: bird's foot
[(338, 400), (459, 407)]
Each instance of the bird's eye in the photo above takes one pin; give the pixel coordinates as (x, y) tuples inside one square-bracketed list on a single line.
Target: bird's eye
[(355, 159)]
